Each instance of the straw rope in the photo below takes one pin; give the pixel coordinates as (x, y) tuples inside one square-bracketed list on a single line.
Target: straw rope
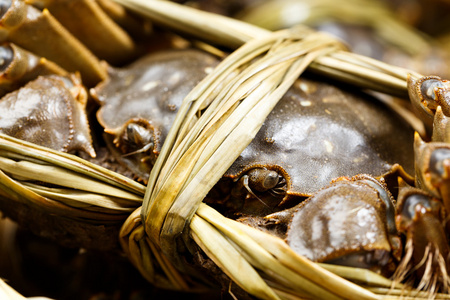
[(233, 33)]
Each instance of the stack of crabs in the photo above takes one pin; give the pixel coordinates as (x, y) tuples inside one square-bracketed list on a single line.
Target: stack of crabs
[(329, 171)]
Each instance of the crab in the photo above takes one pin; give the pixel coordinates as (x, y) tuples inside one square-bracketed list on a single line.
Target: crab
[(318, 132), (139, 103), (316, 125), (413, 237)]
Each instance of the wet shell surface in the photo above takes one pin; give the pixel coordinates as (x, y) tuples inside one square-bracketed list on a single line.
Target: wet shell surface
[(151, 88), (319, 132), (316, 133), (49, 111), (345, 221), (149, 91)]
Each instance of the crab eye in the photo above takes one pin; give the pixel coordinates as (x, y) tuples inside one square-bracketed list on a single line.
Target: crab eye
[(428, 88), (138, 135), (411, 202), (6, 57), (4, 6), (270, 180), (438, 160), (263, 180)]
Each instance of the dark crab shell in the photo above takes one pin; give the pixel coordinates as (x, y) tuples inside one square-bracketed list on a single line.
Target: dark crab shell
[(151, 89), (346, 223), (48, 111), (319, 132), (316, 133)]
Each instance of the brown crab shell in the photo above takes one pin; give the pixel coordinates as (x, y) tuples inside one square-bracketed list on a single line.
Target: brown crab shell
[(150, 89), (318, 132), (48, 111), (346, 218)]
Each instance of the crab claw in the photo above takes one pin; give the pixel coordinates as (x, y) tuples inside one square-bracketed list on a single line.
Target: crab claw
[(426, 94)]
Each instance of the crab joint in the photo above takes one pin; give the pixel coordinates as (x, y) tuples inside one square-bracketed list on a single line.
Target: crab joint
[(135, 136), (441, 127), (426, 94), (259, 180), (262, 180), (19, 66)]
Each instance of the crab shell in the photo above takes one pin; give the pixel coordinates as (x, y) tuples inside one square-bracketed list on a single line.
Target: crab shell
[(48, 111), (149, 93), (346, 223), (318, 132)]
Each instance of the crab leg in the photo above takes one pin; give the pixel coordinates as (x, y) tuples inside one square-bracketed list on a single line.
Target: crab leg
[(430, 98), (433, 169), (92, 26), (20, 66), (19, 22), (135, 26)]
